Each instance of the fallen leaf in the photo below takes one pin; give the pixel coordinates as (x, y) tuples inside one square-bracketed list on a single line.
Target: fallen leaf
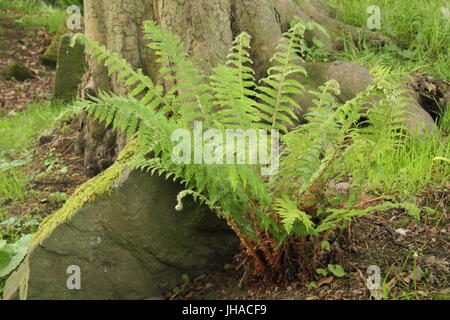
[(324, 281)]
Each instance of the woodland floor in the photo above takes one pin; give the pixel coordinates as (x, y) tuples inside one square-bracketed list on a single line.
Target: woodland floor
[(26, 46), (53, 149), (371, 240), (391, 240)]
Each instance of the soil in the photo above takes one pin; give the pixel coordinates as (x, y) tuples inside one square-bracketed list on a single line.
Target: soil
[(394, 242), (433, 95)]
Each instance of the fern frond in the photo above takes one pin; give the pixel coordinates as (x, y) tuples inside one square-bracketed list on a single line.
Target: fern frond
[(233, 86), (276, 90), (142, 86), (289, 212), (189, 91)]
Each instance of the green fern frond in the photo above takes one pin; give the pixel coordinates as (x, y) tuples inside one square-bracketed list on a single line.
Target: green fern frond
[(141, 85), (289, 212), (276, 91), (233, 86), (189, 93)]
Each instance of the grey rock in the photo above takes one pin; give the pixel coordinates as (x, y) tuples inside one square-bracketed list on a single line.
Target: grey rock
[(129, 242)]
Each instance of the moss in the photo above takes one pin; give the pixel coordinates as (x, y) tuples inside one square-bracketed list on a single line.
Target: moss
[(97, 187), (50, 56), (18, 71)]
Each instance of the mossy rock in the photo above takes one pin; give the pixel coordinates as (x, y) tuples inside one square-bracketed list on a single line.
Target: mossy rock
[(18, 71), (70, 69), (50, 56), (122, 230)]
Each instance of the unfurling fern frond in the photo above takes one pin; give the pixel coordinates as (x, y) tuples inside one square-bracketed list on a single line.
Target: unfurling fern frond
[(278, 89)]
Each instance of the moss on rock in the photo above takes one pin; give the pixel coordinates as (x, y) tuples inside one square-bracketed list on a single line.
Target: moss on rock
[(50, 56), (70, 69), (96, 187), (18, 71)]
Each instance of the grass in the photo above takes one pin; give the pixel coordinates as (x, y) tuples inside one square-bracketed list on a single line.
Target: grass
[(27, 6), (51, 19), (420, 35), (419, 29), (411, 169), (444, 122), (36, 14), (17, 134)]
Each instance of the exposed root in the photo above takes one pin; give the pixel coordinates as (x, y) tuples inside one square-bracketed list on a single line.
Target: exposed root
[(323, 14)]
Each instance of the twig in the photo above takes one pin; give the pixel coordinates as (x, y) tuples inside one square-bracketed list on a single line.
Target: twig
[(375, 199), (243, 277)]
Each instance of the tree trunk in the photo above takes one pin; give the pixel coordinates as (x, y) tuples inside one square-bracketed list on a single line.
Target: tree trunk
[(207, 28)]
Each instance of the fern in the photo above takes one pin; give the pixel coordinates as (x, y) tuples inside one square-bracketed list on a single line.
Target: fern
[(334, 144), (189, 95), (335, 141), (233, 86)]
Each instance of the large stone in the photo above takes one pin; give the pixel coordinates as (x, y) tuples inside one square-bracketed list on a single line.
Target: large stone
[(70, 69), (122, 231)]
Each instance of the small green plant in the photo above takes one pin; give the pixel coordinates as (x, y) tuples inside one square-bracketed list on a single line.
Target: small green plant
[(178, 289), (13, 228), (12, 254), (334, 269)]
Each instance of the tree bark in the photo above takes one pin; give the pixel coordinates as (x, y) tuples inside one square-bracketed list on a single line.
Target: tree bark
[(207, 28)]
